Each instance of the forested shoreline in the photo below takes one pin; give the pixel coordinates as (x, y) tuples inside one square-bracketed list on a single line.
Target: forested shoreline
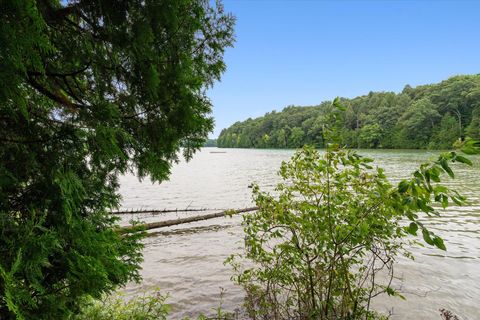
[(430, 116)]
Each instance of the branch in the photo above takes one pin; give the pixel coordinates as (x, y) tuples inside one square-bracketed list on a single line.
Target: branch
[(61, 99), (56, 15), (168, 223), (26, 141), (58, 74), (153, 211)]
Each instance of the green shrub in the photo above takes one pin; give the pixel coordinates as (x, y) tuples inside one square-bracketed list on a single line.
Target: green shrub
[(151, 305), (325, 242), (144, 307)]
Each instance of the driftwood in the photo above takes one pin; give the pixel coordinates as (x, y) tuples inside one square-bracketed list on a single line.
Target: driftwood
[(150, 211), (169, 223)]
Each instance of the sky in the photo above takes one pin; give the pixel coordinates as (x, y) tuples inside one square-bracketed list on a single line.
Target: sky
[(306, 52)]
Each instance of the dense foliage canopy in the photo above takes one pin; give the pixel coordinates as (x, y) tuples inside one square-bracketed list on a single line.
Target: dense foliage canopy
[(90, 90), (429, 116)]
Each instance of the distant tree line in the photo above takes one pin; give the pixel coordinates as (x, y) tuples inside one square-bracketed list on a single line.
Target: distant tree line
[(210, 143), (428, 116)]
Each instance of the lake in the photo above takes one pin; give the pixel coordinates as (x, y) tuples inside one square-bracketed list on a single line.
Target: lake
[(187, 261)]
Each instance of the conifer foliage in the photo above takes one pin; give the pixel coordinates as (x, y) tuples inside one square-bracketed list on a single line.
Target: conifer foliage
[(90, 90)]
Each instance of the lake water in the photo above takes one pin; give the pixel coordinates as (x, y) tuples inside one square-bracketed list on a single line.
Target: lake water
[(187, 261)]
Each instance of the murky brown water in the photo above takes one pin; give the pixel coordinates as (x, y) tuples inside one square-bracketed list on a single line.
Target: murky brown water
[(187, 261)]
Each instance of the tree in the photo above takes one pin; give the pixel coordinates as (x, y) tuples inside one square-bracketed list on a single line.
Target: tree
[(266, 140), (91, 90), (445, 134), (370, 135), (282, 138), (296, 137), (418, 122), (473, 129)]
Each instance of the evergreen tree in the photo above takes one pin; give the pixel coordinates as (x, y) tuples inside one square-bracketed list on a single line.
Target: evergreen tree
[(91, 90)]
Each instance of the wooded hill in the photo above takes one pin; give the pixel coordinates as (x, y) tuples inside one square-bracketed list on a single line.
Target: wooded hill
[(430, 116)]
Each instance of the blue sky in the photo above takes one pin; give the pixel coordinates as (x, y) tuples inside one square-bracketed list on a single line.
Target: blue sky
[(305, 52)]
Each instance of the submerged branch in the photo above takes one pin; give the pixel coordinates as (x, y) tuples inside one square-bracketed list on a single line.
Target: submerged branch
[(168, 223), (153, 211)]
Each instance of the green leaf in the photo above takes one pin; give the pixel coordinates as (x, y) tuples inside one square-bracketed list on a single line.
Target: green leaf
[(390, 291), (412, 228), (403, 186), (418, 175), (445, 167), (457, 201), (438, 242), (426, 237), (440, 188), (462, 159), (444, 201), (423, 206), (471, 147)]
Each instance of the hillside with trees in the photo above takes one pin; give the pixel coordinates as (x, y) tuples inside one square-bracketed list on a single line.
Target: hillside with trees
[(430, 116)]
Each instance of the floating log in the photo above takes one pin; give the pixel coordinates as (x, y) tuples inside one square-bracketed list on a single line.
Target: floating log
[(169, 223), (152, 211)]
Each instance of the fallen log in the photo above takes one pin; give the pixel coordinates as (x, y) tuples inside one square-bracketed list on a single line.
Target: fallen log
[(152, 211), (169, 223)]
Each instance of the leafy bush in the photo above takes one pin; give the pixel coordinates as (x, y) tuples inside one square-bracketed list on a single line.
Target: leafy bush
[(148, 306), (144, 307), (324, 244)]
